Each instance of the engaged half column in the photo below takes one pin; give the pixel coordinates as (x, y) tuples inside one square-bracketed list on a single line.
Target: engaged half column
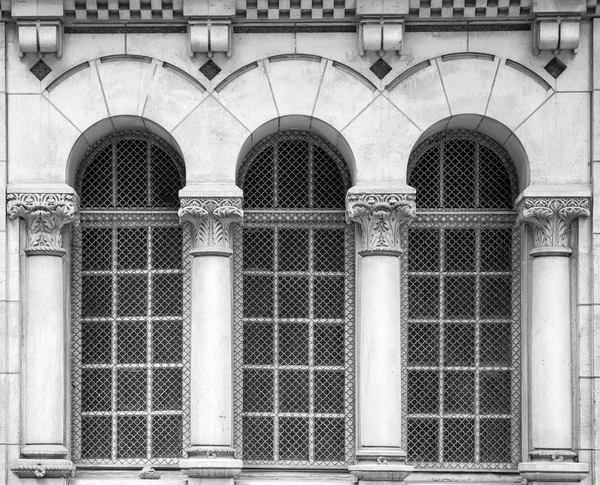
[(380, 216), (211, 456), (44, 381), (551, 454)]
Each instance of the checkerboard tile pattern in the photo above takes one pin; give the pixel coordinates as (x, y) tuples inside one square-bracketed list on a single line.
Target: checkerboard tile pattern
[(124, 10), (425, 9), (295, 9)]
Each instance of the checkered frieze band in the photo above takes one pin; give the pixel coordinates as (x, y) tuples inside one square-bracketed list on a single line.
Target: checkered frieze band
[(124, 10), (295, 9), (424, 9)]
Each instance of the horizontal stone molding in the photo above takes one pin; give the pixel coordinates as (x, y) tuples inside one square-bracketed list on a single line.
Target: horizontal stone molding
[(551, 220), (45, 214), (32, 468), (381, 217), (210, 219)]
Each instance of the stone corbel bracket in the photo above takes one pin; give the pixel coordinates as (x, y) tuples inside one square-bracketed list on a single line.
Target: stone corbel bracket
[(381, 35), (32, 468), (40, 37), (210, 36), (556, 34)]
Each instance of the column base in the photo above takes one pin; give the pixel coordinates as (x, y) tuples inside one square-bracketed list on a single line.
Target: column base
[(43, 468), (541, 472)]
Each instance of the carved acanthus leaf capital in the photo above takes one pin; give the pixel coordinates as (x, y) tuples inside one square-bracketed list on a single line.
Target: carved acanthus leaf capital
[(45, 215), (381, 217), (210, 219), (551, 219)]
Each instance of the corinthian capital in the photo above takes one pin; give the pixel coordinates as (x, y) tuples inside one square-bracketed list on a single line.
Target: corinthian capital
[(551, 219), (45, 215), (381, 216), (209, 219)]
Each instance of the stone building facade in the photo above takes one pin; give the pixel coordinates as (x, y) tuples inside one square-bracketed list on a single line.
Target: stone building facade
[(297, 240)]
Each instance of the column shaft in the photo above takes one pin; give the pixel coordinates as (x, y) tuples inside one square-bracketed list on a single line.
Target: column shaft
[(211, 386), (379, 357), (551, 391)]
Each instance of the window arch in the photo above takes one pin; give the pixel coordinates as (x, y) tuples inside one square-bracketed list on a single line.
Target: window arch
[(294, 306), (130, 320), (462, 306)]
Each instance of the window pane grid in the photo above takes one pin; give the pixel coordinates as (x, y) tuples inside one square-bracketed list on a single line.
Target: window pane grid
[(294, 423), (461, 347), (137, 409)]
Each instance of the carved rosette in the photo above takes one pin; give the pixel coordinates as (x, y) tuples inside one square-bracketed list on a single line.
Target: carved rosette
[(381, 217), (551, 220), (45, 215), (210, 220)]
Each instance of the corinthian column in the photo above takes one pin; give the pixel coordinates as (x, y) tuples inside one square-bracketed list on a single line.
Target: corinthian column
[(380, 216), (551, 453), (211, 454), (44, 377)]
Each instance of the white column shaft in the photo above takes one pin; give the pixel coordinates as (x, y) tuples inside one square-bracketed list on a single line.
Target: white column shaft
[(379, 353), (551, 387), (211, 386), (45, 351)]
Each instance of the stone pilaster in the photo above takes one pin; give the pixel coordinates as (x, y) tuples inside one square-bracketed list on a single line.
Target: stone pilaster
[(380, 215), (44, 379), (211, 455), (551, 454)]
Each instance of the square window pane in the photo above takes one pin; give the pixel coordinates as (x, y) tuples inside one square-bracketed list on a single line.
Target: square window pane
[(96, 342), (96, 298), (329, 344), (292, 247), (329, 439), (96, 248), (293, 439), (96, 390), (167, 390), (167, 295), (494, 436), (293, 343), (459, 440), (258, 343), (329, 296), (258, 390), (258, 296), (496, 346), (329, 391), (423, 344), (496, 297), (459, 250), (459, 392), (496, 249), (423, 391), (459, 297), (132, 390), (423, 297), (293, 297), (459, 344), (132, 248), (167, 342), (132, 295), (96, 434), (132, 437), (423, 250), (329, 250), (167, 248), (258, 249), (132, 342), (495, 392), (423, 439), (167, 436), (293, 391), (258, 438)]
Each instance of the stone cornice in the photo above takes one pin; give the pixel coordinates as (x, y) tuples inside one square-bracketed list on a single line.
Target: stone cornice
[(381, 216), (551, 220), (210, 219), (45, 215)]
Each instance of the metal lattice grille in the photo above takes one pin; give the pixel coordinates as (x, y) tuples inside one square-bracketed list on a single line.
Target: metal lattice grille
[(294, 308), (462, 313), (130, 320)]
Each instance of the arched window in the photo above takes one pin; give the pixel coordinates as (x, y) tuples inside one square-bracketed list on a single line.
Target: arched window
[(462, 306), (294, 306), (129, 317)]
